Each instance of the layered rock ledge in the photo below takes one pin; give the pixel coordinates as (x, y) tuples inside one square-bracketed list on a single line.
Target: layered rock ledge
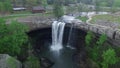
[(112, 33)]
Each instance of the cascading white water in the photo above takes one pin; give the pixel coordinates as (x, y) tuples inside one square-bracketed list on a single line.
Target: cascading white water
[(57, 35), (69, 37), (70, 34)]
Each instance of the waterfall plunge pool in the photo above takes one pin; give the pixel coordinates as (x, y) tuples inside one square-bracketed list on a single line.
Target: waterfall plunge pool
[(67, 57)]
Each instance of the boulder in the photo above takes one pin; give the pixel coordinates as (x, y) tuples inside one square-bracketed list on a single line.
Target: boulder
[(67, 19), (7, 61)]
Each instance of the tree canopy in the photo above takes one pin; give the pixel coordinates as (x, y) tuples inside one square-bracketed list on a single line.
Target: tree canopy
[(12, 37), (5, 6), (58, 9)]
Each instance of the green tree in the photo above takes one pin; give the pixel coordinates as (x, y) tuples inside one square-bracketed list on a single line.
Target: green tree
[(44, 3), (89, 38), (24, 2), (110, 2), (101, 40), (58, 9), (3, 28), (97, 5), (31, 3), (8, 7), (12, 36), (117, 3), (14, 3), (80, 7), (5, 7), (1, 7), (96, 51), (109, 58), (94, 47)]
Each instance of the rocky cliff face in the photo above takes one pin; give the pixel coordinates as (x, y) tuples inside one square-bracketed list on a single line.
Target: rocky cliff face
[(112, 33)]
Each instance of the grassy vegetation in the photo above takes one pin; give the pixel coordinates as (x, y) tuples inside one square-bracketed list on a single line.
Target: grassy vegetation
[(17, 15), (83, 18), (106, 17)]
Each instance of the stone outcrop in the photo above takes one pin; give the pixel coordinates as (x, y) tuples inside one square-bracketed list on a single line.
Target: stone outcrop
[(36, 23), (9, 62), (112, 33)]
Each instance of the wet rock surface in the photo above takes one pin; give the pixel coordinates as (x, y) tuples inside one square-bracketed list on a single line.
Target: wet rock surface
[(46, 63)]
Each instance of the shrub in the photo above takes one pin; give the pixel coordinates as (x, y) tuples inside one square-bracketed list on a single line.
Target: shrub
[(109, 58), (102, 39), (88, 38), (32, 62)]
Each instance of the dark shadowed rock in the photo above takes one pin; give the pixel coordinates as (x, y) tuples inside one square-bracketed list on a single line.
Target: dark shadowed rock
[(45, 62)]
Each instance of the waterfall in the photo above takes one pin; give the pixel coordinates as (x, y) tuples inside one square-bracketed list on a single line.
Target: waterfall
[(70, 37), (70, 34), (57, 35)]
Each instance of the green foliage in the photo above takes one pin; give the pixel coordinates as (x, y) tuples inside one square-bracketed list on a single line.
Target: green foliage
[(103, 4), (102, 39), (3, 28), (109, 58), (18, 35), (1, 7), (88, 38), (11, 62), (44, 3), (117, 3), (5, 6), (31, 3), (33, 62), (80, 7), (97, 51), (58, 10), (92, 48), (12, 37), (97, 5), (8, 7), (84, 19)]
